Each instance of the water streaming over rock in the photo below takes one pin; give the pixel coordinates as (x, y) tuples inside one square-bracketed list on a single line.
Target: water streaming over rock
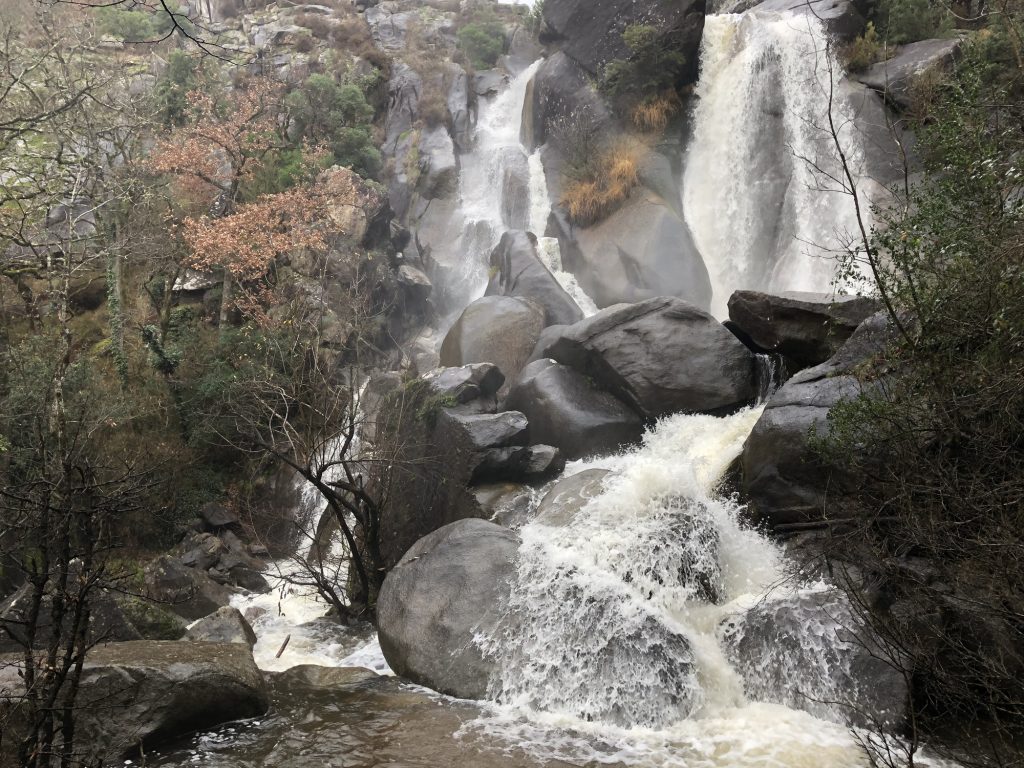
[(501, 187), (634, 632), (626, 624), (763, 188)]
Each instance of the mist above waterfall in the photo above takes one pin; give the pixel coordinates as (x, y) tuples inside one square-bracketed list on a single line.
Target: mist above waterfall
[(763, 189)]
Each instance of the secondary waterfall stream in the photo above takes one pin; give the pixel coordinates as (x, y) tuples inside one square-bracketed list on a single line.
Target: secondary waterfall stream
[(633, 611)]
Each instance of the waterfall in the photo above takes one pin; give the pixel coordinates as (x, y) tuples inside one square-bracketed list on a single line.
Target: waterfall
[(763, 189), (493, 193), (501, 187)]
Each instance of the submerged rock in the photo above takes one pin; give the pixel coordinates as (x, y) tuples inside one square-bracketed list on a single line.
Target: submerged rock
[(145, 693), (810, 652), (450, 586), (660, 356), (568, 496), (565, 409)]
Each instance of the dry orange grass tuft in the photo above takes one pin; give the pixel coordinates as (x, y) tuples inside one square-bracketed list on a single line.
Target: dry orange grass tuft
[(654, 112), (616, 172)]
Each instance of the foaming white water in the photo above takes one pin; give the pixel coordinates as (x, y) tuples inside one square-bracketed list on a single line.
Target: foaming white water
[(616, 650), (763, 189)]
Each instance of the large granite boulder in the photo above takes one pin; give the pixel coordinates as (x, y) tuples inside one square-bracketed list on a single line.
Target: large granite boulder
[(439, 170), (809, 651), (450, 586), (805, 328), (494, 329), (590, 31), (660, 356), (642, 250), (894, 78), (565, 409), (226, 625), (517, 270), (189, 592), (561, 93), (107, 621), (784, 480), (140, 694)]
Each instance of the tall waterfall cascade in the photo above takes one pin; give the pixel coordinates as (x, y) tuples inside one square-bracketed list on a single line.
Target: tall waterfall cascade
[(763, 190)]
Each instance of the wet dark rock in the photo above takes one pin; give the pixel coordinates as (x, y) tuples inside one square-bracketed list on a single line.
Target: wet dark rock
[(494, 329), (805, 328), (660, 356), (544, 461), (404, 90), (217, 516), (487, 430), (467, 382), (449, 586), (189, 592), (519, 462), (457, 99), (489, 82), (561, 91), (439, 170), (108, 622), (641, 251), (517, 270), (515, 188), (227, 625), (591, 31), (568, 496), (565, 409), (784, 480), (147, 693), (507, 504)]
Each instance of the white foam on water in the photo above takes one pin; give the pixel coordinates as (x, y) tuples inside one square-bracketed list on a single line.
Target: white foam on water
[(590, 670)]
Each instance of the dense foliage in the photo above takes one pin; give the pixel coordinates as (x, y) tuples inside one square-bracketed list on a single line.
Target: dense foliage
[(937, 438)]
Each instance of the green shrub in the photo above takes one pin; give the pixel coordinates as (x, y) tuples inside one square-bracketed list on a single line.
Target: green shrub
[(907, 21), (482, 42), (863, 51), (337, 115), (133, 26), (653, 66)]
